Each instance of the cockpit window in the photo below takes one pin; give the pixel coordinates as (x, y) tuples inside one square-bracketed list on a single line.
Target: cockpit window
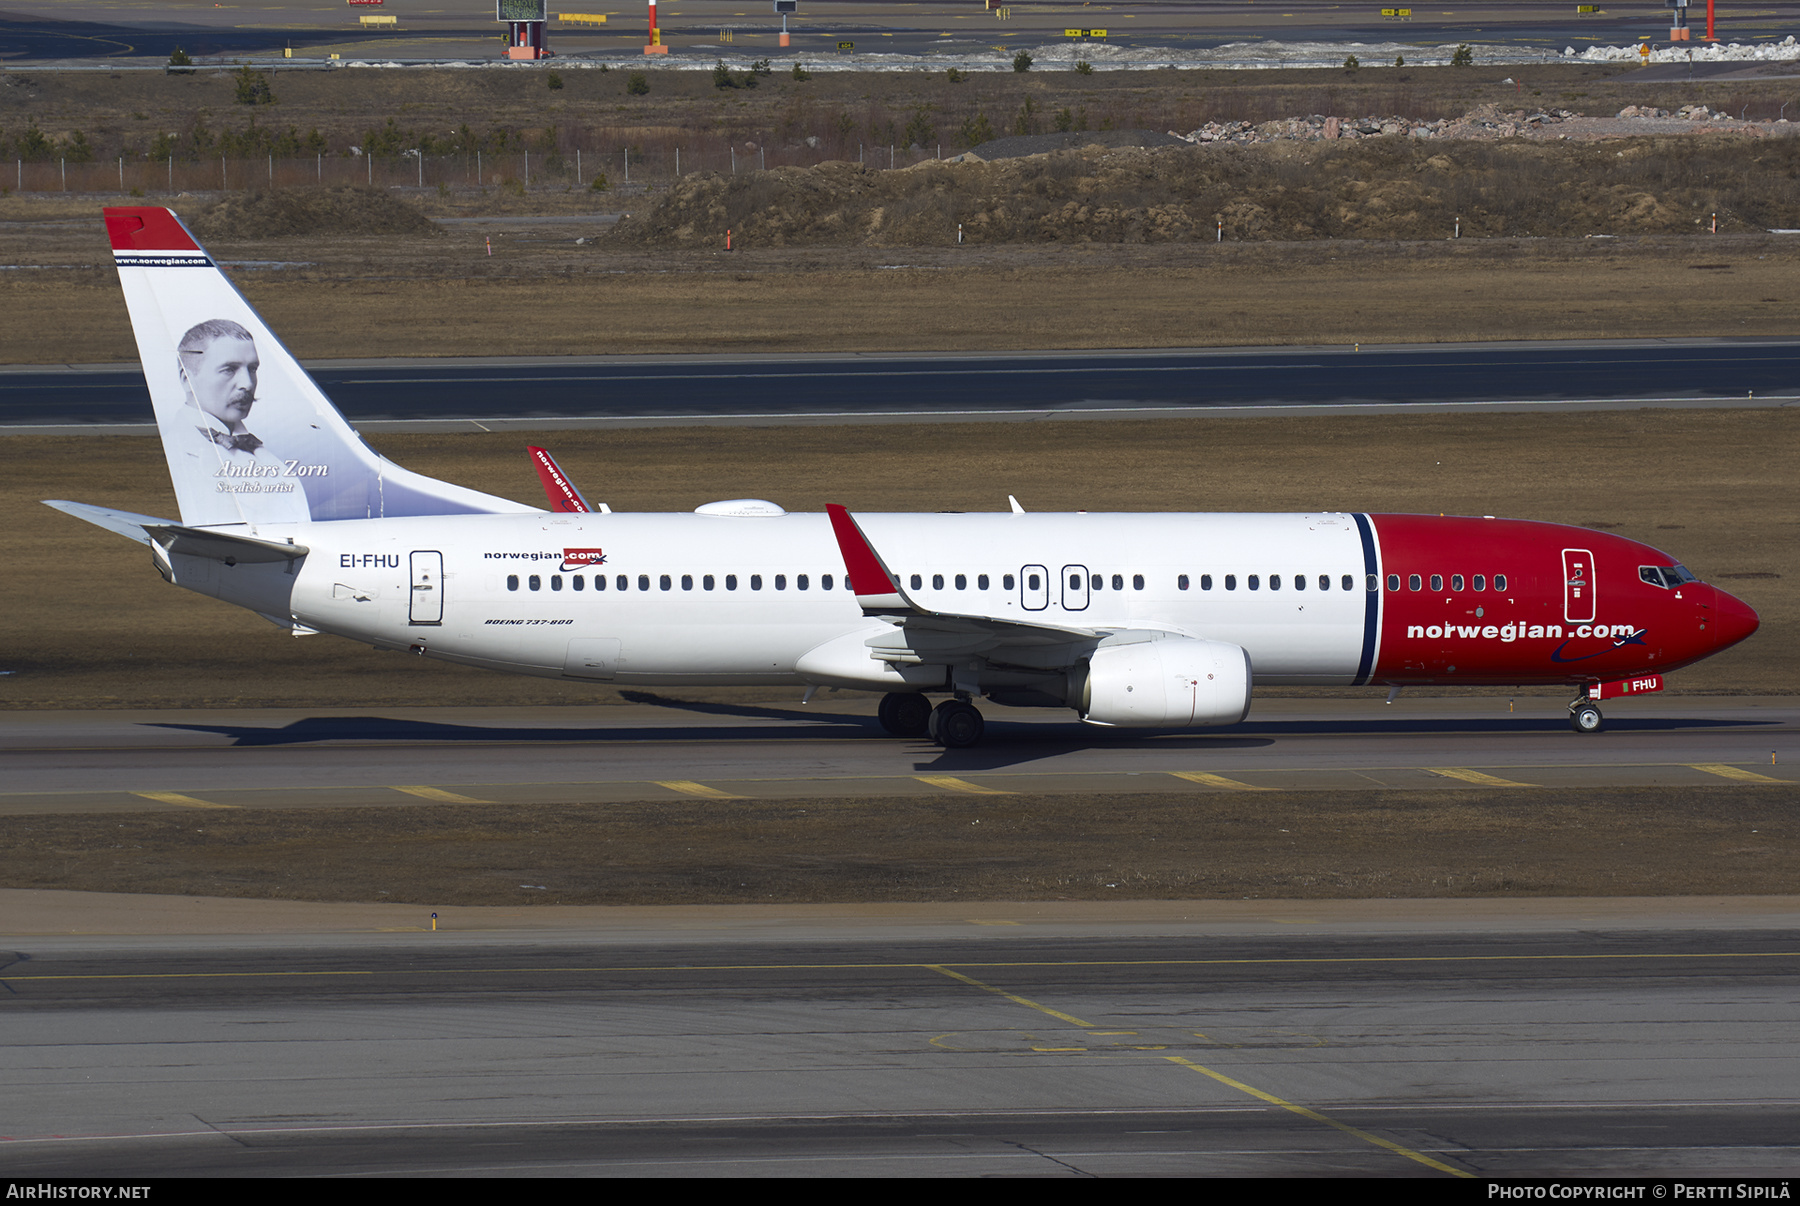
[(1666, 576)]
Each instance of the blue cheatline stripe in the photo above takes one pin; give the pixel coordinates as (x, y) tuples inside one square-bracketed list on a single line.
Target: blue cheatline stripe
[(1372, 604)]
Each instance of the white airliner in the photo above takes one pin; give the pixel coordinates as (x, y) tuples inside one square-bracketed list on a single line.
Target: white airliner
[(1161, 620)]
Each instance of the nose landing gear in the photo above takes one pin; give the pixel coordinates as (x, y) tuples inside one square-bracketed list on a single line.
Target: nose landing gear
[(1585, 717)]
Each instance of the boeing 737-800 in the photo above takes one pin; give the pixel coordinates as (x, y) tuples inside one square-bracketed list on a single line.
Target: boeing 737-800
[(1160, 620)]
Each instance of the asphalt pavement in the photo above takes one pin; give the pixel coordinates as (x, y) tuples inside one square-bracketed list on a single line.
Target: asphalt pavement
[(648, 391)]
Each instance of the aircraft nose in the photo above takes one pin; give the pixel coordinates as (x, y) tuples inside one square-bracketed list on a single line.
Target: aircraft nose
[(1733, 619)]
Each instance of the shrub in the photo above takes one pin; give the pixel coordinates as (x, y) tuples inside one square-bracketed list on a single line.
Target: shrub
[(252, 87), (1399, 60), (554, 80), (761, 67), (801, 73), (1021, 62), (722, 76), (600, 184), (180, 63), (1350, 64), (638, 84), (1083, 67), (1464, 57), (955, 76), (919, 130)]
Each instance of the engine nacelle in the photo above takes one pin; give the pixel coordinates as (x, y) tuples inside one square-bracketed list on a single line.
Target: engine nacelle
[(1173, 682)]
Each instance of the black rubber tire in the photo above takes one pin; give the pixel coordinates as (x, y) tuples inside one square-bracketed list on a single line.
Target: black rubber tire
[(1586, 718), (905, 714), (956, 725)]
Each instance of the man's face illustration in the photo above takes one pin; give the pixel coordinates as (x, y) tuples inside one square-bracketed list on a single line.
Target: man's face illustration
[(223, 377)]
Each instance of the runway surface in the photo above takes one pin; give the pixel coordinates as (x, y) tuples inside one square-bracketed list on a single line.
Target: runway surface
[(63, 762), (145, 31), (1336, 1040), (641, 391)]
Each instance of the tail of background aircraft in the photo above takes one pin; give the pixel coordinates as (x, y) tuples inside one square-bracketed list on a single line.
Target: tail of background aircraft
[(249, 436)]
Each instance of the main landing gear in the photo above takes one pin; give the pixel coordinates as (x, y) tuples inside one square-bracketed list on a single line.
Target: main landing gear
[(1584, 716), (954, 724)]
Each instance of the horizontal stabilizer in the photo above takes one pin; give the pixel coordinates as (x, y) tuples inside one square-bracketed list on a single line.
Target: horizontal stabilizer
[(222, 546), (126, 523)]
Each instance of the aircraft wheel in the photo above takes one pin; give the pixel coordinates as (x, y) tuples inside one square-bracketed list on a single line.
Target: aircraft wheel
[(1586, 718), (905, 714), (957, 725)]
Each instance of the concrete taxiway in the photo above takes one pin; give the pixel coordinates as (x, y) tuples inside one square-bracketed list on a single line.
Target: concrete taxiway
[(663, 749), (1438, 1039)]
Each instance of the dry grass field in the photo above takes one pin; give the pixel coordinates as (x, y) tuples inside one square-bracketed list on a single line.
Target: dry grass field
[(85, 621), (1275, 845)]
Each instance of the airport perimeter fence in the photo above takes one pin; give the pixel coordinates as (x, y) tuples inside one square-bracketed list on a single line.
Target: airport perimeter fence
[(533, 171)]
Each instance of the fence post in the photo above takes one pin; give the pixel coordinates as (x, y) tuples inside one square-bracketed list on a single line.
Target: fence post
[(319, 166), (627, 165), (65, 174), (121, 173), (223, 179), (527, 169), (421, 169)]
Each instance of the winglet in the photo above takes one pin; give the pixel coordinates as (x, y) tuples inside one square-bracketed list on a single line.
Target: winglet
[(876, 587), (557, 487)]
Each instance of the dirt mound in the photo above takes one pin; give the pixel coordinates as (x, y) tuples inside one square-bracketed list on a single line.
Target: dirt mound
[(1019, 145), (1373, 188), (309, 211)]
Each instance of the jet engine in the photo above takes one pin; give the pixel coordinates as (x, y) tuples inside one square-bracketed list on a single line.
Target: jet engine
[(1172, 681)]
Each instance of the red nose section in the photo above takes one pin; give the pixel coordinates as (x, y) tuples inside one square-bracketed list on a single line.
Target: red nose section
[(1733, 619)]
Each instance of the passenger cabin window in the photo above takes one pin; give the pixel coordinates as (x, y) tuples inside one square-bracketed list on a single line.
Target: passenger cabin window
[(937, 582), (917, 582), (578, 584), (555, 581), (1414, 582), (755, 581), (512, 582), (1118, 581), (962, 582), (1205, 581), (1499, 581), (534, 582), (687, 582), (643, 581), (981, 581), (1274, 581), (1006, 581), (1137, 582), (1299, 581), (800, 582), (664, 581), (1394, 582), (1479, 581), (1437, 582), (706, 583), (1253, 581), (1456, 581), (1181, 582), (780, 581), (1230, 581), (730, 581)]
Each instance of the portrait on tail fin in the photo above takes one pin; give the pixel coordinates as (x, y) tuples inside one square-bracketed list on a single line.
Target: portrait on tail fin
[(218, 365)]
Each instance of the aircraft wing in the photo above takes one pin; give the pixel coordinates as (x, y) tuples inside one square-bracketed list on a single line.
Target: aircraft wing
[(879, 591), (558, 488)]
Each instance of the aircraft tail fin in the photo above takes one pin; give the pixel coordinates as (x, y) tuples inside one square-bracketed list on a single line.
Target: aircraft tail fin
[(249, 436)]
